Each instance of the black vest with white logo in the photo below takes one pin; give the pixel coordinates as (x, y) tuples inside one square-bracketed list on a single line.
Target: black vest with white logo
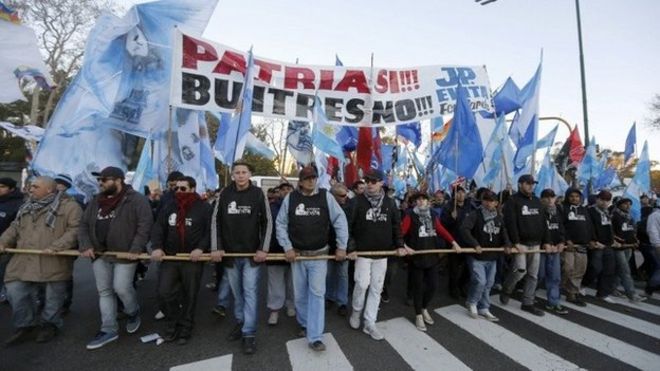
[(419, 238), (309, 220)]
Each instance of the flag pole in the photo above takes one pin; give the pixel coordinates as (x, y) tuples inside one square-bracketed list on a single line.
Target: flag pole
[(169, 141)]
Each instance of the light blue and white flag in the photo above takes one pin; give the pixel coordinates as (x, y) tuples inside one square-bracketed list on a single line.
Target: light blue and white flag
[(590, 167), (257, 147), (524, 129), (299, 141), (640, 183), (122, 87), (631, 141), (548, 140), (324, 134), (27, 132)]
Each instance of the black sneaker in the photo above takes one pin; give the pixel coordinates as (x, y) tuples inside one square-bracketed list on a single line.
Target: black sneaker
[(329, 304), (556, 309), (171, 334), (342, 311), (533, 310), (504, 298), (302, 332), (236, 333), (249, 345), (47, 332), (219, 310), (21, 335), (317, 346), (576, 300), (385, 297)]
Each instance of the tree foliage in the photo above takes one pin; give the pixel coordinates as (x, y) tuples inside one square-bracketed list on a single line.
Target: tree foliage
[(654, 121)]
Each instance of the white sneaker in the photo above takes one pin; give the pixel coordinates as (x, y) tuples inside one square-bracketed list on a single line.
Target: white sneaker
[(583, 292), (373, 331), (160, 315), (419, 322), (354, 321), (608, 299), (637, 299), (488, 315), (427, 317), (472, 311), (291, 312), (273, 318)]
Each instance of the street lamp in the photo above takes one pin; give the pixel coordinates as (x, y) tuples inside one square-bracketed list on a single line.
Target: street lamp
[(585, 116)]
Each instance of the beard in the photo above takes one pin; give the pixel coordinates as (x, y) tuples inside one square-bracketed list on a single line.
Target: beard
[(109, 190)]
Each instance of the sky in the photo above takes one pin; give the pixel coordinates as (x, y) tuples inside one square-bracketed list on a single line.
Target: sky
[(620, 38)]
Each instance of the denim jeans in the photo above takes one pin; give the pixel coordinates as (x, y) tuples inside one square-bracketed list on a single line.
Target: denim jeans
[(224, 290), (24, 311), (524, 266), (244, 282), (652, 260), (309, 293), (336, 284), (482, 278), (601, 268), (112, 279), (550, 273), (369, 275), (622, 256)]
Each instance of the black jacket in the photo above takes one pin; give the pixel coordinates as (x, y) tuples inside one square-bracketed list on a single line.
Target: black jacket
[(165, 235), (602, 224), (555, 223), (624, 227), (243, 222), (476, 232), (369, 235), (452, 224), (524, 220), (9, 205), (129, 230)]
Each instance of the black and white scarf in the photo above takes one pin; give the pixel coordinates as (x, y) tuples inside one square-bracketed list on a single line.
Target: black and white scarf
[(376, 202), (424, 215), (31, 207)]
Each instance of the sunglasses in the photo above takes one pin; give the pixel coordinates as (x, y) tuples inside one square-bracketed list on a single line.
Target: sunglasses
[(342, 196), (103, 180), (182, 189), (371, 181)]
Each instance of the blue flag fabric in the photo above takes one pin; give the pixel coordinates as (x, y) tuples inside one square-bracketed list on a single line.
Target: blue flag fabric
[(631, 141), (461, 151), (548, 177), (388, 152), (299, 141), (144, 171), (590, 168), (640, 183), (241, 121), (529, 95), (411, 131), (257, 147), (526, 148), (548, 140), (507, 99), (498, 158), (123, 84), (324, 134), (219, 149)]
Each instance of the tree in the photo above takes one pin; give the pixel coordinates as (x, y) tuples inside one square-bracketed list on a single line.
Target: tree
[(654, 121), (62, 27)]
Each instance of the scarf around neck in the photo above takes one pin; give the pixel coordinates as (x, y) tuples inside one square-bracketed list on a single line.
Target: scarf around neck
[(376, 202), (425, 218), (107, 204), (184, 202), (31, 207)]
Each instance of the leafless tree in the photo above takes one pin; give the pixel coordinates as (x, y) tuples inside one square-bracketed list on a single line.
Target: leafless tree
[(654, 121), (62, 27)]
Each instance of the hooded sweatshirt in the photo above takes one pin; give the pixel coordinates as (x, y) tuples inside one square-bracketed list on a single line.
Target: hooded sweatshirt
[(577, 222)]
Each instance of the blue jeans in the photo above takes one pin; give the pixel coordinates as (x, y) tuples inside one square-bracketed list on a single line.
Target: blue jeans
[(24, 311), (482, 277), (4, 261), (224, 291), (653, 260), (336, 284), (244, 282), (114, 279), (550, 272), (309, 294), (622, 257)]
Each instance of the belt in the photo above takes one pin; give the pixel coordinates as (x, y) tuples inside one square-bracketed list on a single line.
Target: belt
[(321, 251)]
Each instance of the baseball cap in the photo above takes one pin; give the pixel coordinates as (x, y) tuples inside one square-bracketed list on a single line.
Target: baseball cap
[(307, 172), (64, 180), (374, 174), (9, 182), (527, 178), (548, 193), (109, 172)]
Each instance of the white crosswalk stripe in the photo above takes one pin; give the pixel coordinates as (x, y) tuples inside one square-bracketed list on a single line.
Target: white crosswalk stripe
[(617, 318), (607, 345), (645, 307), (212, 364), (304, 358), (515, 347), (419, 350)]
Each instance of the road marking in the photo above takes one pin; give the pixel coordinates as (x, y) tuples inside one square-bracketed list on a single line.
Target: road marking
[(222, 363), (617, 318), (514, 346), (418, 349), (650, 308), (582, 335), (304, 358)]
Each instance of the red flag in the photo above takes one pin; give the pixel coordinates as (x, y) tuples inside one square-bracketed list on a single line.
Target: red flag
[(576, 149), (364, 148), (333, 166), (350, 171)]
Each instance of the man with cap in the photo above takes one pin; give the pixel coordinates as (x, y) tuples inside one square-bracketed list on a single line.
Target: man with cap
[(483, 227), (578, 233), (11, 200), (626, 234), (550, 265), (452, 217), (47, 221), (602, 263), (374, 225), (118, 219), (64, 184), (524, 220), (242, 224), (303, 228)]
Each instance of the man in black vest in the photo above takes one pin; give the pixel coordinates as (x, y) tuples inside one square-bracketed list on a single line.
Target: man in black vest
[(303, 228), (182, 226)]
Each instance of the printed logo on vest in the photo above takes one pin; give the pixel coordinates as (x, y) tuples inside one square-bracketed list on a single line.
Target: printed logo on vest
[(575, 216), (233, 209), (371, 216), (553, 226), (529, 211), (172, 220), (625, 227), (423, 232), (605, 220), (301, 210)]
